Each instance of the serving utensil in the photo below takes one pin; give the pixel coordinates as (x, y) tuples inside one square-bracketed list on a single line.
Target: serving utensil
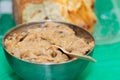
[(84, 57)]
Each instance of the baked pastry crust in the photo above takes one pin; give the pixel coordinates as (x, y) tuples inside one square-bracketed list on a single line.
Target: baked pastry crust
[(78, 12)]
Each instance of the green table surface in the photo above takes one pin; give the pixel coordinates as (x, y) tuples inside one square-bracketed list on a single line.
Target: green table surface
[(107, 49)]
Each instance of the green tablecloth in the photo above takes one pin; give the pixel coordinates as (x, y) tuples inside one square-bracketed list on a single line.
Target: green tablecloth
[(107, 50)]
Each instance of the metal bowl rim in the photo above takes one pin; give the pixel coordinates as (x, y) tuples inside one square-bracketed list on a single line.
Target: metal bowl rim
[(25, 24)]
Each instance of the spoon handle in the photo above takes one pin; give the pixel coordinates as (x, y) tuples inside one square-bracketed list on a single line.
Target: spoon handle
[(84, 57)]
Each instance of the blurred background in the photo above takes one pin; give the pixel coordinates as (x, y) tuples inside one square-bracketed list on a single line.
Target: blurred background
[(6, 19), (107, 27), (106, 33)]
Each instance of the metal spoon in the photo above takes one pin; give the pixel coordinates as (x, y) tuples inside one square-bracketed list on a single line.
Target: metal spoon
[(84, 57)]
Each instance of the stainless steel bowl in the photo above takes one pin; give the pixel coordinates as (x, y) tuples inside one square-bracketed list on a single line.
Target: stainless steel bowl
[(62, 71)]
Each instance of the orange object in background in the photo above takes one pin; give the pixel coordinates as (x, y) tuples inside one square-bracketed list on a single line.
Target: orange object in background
[(78, 12)]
